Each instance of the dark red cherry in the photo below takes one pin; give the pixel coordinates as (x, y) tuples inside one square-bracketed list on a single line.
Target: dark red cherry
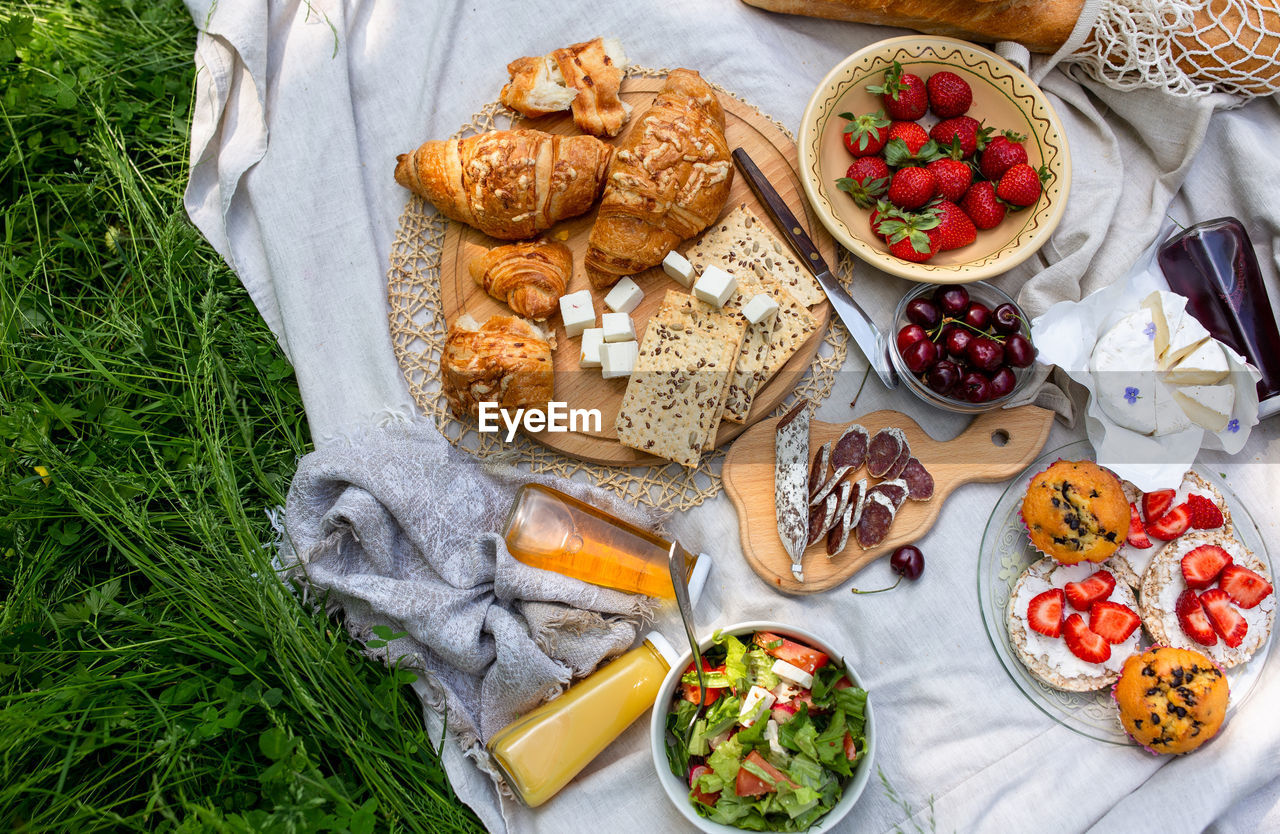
[(978, 316), (957, 341), (923, 312), (953, 300), (943, 377), (1006, 318), (1002, 382), (985, 354), (907, 561), (1018, 351), (909, 335), (920, 355), (974, 388)]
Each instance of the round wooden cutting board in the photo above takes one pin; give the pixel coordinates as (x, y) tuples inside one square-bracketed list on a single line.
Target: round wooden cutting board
[(997, 445), (585, 388)]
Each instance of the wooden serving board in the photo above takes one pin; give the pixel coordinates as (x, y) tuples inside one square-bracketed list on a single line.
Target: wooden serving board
[(997, 445), (585, 388)]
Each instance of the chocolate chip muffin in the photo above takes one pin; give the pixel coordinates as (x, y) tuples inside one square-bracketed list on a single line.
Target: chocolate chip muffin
[(1171, 700), (1076, 511)]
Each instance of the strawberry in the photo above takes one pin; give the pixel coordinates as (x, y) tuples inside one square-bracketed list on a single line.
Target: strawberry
[(954, 229), (1202, 565), (911, 188), (865, 135), (961, 137), (1044, 613), (1205, 514), (1170, 525), (981, 205), (1114, 621), (884, 210), (1245, 587), (866, 179), (904, 95), (1019, 186), (1001, 153), (1083, 643), (907, 233), (954, 177), (908, 144), (1097, 586), (1195, 623), (1137, 533), (949, 94), (1226, 620), (1156, 504)]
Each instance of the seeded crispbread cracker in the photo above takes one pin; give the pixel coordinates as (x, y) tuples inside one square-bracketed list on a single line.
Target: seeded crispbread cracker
[(743, 238), (676, 392)]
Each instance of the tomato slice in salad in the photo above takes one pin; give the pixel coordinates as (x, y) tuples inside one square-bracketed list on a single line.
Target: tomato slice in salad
[(850, 748), (797, 654), (698, 794), (749, 784), (691, 691)]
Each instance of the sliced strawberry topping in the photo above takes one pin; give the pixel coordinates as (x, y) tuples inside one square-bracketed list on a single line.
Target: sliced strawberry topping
[(1083, 643), (1137, 533), (1170, 525), (1205, 514), (1202, 565), (1044, 613), (1193, 620), (1156, 504), (1245, 587), (1097, 586), (1227, 621), (1114, 621)]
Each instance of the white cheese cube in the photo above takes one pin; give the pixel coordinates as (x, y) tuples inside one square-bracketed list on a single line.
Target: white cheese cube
[(680, 270), (577, 311), (754, 705), (624, 297), (592, 339), (1208, 406), (617, 327), (793, 674), (618, 358), (771, 736), (715, 286), (760, 307), (1206, 365)]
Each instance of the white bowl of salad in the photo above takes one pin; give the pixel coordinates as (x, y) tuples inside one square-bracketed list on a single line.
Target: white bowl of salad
[(785, 741)]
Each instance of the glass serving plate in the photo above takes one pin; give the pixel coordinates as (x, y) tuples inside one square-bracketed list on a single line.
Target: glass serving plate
[(1005, 554)]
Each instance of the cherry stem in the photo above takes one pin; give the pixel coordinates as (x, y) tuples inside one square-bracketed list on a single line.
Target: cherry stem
[(948, 320), (878, 590)]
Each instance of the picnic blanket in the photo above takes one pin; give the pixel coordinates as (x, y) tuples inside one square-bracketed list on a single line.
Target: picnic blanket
[(301, 108)]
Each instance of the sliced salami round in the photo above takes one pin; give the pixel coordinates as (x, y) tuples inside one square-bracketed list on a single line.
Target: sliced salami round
[(850, 515), (895, 490), (919, 481), (818, 470), (900, 464), (830, 486), (877, 518), (851, 448), (821, 517), (883, 450)]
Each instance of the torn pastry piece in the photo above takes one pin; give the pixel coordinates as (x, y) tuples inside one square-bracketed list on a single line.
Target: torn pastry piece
[(584, 77), (506, 360), (528, 277)]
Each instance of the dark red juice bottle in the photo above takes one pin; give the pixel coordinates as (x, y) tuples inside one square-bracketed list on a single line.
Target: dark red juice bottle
[(1213, 264)]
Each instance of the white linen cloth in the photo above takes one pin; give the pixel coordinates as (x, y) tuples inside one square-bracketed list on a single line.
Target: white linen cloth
[(301, 108)]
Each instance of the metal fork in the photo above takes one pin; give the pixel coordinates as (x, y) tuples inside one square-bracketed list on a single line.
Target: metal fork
[(678, 568)]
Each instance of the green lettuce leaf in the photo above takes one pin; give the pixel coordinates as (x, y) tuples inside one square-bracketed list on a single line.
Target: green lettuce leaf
[(735, 665), (759, 668)]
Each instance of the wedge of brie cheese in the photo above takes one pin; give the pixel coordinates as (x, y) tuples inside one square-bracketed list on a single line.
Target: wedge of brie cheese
[(1183, 341), (1206, 365), (1167, 309), (1208, 406), (1171, 418), (1123, 365)]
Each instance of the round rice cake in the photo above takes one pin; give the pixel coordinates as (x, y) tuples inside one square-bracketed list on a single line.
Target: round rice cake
[(1048, 658), (1129, 563), (1163, 584)]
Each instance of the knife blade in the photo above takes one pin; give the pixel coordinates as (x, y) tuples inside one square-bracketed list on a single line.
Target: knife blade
[(861, 328), (791, 483)]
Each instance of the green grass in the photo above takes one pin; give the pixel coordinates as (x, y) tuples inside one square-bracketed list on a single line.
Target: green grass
[(154, 674)]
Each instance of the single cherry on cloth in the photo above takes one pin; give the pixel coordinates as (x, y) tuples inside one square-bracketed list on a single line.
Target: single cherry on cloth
[(907, 561)]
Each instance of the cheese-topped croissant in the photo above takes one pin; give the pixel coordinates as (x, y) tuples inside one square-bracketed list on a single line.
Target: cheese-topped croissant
[(509, 184), (529, 277), (506, 360), (668, 181)]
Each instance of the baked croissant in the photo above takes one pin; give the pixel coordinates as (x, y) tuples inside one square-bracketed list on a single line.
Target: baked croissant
[(528, 277), (585, 76), (509, 184), (668, 181), (506, 360)]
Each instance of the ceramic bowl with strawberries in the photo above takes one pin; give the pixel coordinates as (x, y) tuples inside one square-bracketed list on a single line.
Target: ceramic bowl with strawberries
[(934, 159), (961, 348)]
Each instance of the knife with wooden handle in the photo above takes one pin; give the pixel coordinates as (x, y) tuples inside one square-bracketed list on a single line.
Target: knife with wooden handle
[(791, 483)]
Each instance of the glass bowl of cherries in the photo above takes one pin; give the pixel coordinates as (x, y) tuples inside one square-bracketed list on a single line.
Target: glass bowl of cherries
[(962, 348)]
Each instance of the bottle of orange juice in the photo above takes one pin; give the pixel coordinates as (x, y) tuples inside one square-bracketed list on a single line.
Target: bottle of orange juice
[(550, 530), (540, 752)]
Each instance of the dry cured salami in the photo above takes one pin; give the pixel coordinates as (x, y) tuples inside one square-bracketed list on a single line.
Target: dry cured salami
[(821, 517), (900, 464), (877, 517), (851, 448), (883, 451), (830, 486), (818, 471), (895, 490), (919, 481)]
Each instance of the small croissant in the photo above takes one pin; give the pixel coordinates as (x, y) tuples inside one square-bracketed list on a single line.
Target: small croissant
[(528, 277)]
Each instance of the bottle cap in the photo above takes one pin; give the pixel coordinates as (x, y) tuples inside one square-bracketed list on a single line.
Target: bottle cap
[(664, 647), (698, 578)]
